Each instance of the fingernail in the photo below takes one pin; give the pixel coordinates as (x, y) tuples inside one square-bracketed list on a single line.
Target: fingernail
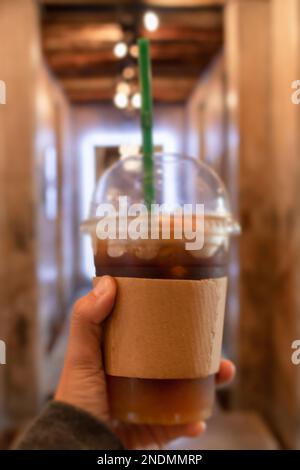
[(101, 286), (204, 426)]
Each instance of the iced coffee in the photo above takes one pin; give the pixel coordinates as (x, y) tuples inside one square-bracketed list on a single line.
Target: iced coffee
[(164, 401)]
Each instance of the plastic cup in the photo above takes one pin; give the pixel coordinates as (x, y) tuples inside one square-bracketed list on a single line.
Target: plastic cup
[(180, 183)]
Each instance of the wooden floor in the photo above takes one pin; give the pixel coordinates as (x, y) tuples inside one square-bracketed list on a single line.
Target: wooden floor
[(231, 431)]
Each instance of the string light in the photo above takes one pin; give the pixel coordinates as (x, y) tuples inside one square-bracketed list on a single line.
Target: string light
[(134, 51), (129, 73), (151, 21), (136, 100), (120, 50), (123, 87), (121, 100)]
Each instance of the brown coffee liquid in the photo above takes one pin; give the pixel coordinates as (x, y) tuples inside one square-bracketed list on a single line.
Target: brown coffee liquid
[(156, 401)]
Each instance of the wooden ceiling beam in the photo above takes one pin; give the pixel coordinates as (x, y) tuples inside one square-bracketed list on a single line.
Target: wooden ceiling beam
[(98, 83), (157, 3), (184, 3), (110, 69), (104, 88), (93, 97), (168, 53), (94, 37), (78, 45), (195, 19), (58, 16), (174, 33), (85, 2), (76, 37)]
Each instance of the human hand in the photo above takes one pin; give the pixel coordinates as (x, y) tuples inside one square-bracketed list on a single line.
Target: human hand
[(83, 382)]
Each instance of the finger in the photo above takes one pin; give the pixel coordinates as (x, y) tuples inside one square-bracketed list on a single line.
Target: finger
[(226, 372), (89, 312), (165, 434), (195, 429), (145, 438), (131, 436), (159, 434), (136, 436)]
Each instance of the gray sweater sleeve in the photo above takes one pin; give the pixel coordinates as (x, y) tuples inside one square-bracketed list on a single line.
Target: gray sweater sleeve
[(63, 427)]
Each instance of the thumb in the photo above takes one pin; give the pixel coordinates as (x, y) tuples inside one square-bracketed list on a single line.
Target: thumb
[(89, 312)]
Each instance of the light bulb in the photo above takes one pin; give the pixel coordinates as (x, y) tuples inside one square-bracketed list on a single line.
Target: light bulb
[(121, 100), (134, 51), (151, 21), (128, 73), (123, 87), (120, 50), (136, 100)]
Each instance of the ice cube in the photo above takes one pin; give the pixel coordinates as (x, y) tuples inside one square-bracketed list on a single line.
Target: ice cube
[(115, 249), (166, 251), (178, 271), (211, 245), (146, 250), (206, 252)]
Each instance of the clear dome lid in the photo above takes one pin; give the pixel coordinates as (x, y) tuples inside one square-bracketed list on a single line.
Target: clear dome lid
[(177, 180)]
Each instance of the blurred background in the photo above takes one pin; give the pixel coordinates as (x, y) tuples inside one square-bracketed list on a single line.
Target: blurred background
[(223, 73)]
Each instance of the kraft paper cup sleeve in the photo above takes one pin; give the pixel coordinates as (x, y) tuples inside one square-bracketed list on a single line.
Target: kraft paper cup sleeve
[(165, 329)]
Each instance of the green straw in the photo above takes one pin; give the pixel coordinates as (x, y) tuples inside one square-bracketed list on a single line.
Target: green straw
[(146, 119)]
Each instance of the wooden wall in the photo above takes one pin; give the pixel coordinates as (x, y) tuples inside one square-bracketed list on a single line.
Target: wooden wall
[(55, 227), (262, 45), (19, 66), (205, 117), (285, 148), (36, 274)]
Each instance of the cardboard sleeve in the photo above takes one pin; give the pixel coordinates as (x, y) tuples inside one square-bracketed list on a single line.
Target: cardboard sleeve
[(165, 329)]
